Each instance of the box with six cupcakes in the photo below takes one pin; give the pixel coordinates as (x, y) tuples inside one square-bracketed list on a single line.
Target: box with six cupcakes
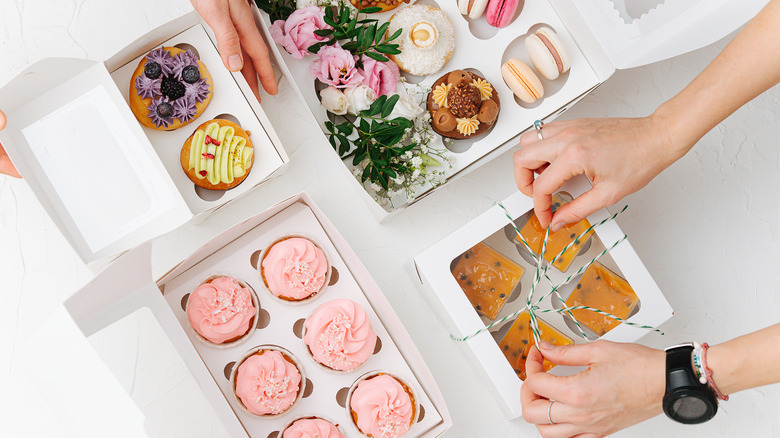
[(483, 279), (282, 327), (121, 151), (471, 74)]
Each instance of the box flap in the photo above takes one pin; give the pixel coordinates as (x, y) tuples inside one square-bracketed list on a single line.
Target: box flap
[(672, 28), (115, 292), (79, 147)]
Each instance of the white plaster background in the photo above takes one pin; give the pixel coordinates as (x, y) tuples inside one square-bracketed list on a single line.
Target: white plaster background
[(708, 230)]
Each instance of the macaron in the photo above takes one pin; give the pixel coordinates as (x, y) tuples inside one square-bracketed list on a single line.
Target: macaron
[(472, 8), (522, 80), (548, 53), (501, 12)]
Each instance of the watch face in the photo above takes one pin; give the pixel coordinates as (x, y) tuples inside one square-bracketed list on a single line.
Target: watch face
[(689, 408)]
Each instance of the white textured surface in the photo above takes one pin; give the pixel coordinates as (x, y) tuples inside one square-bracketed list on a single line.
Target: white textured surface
[(708, 230)]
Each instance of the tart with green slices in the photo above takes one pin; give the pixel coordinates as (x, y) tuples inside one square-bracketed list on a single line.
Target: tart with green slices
[(218, 155)]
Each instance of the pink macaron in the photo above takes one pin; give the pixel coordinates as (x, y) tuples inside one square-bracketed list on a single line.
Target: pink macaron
[(502, 12)]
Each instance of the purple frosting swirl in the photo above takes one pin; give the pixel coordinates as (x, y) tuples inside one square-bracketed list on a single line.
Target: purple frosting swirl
[(162, 57), (199, 90), (147, 87), (156, 119), (184, 109), (181, 60)]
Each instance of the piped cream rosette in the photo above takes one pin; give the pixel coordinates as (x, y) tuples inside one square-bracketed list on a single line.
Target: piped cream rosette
[(218, 155)]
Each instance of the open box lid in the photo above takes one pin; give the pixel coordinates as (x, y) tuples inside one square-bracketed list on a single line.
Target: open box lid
[(671, 28), (79, 147)]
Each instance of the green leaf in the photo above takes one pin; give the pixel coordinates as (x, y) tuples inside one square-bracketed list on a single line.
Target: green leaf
[(380, 33), (366, 174), (391, 173), (323, 32), (344, 14), (388, 106), (383, 181), (371, 10), (344, 128), (364, 126), (329, 125), (330, 21), (358, 159), (344, 145), (377, 57), (395, 35), (376, 107), (390, 49), (369, 38), (314, 48)]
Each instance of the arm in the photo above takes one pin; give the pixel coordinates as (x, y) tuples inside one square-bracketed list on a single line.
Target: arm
[(6, 166), (238, 39), (625, 383), (620, 156)]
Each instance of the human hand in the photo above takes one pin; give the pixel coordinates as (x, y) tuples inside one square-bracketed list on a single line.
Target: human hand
[(6, 166), (238, 39), (623, 385), (618, 155)]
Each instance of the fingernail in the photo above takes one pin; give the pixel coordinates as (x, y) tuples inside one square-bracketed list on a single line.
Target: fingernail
[(557, 226), (546, 345), (234, 62)]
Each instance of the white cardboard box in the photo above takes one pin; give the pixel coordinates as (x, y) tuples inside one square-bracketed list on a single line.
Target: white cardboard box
[(597, 37), (107, 182), (493, 227), (127, 285)]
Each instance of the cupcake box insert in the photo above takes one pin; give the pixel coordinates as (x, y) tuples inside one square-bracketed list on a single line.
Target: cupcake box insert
[(595, 34), (127, 285), (107, 182), (436, 265)]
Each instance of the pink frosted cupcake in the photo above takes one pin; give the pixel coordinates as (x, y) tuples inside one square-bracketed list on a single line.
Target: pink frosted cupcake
[(311, 427), (339, 335), (222, 310), (268, 381), (294, 269), (382, 406)]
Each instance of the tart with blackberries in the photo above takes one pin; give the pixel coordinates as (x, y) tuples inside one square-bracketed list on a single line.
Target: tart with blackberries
[(170, 88)]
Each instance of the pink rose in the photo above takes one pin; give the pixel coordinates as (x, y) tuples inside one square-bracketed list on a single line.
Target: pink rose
[(335, 66), (297, 33), (381, 77)]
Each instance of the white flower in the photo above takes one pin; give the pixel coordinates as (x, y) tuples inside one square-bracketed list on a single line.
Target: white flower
[(334, 100), (406, 107), (375, 187), (417, 162), (359, 98)]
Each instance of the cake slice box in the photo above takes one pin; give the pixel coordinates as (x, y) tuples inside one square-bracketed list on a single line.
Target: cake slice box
[(108, 183), (128, 285), (458, 315), (599, 42)]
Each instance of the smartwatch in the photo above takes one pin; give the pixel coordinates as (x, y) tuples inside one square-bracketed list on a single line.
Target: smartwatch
[(686, 399)]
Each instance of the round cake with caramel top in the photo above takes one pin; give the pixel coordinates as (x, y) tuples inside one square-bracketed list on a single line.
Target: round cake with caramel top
[(462, 105), (386, 5), (218, 155), (170, 88)]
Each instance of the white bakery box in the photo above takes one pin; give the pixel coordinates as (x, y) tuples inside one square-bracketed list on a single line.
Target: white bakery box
[(106, 181), (600, 35), (436, 264), (127, 285)]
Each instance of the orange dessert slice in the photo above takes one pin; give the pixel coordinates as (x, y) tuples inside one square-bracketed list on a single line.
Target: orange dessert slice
[(533, 233), (518, 341), (602, 289), (487, 278)]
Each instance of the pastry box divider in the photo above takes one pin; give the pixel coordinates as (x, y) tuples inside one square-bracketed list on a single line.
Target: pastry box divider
[(119, 186), (458, 315), (598, 39), (128, 285)]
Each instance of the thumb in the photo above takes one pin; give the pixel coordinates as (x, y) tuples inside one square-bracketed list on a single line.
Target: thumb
[(571, 355), (217, 16), (580, 208)]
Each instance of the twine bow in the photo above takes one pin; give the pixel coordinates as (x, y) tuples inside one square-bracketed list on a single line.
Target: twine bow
[(541, 271)]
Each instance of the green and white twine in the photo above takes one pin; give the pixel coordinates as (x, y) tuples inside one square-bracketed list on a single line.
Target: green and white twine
[(541, 271)]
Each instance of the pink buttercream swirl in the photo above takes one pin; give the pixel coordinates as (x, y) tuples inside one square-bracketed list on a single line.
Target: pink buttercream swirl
[(339, 335), (295, 268), (221, 310), (267, 384), (312, 428), (384, 409)]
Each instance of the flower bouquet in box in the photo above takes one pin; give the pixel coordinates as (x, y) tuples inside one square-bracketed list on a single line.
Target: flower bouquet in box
[(376, 120)]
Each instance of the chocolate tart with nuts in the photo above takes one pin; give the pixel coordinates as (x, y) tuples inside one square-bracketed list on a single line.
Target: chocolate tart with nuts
[(462, 105)]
